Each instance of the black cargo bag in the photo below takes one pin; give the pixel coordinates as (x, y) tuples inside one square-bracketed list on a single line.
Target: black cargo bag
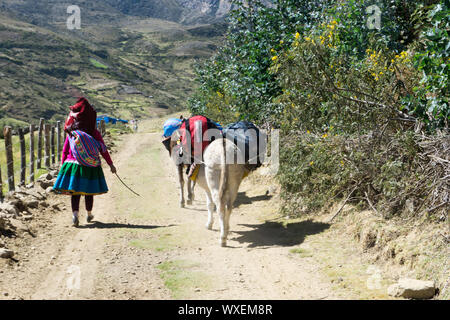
[(249, 139)]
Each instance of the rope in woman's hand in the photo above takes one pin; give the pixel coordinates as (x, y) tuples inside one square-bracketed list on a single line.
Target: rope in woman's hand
[(126, 185)]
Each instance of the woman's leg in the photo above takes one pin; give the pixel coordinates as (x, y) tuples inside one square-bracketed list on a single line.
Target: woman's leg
[(75, 209), (89, 200), (76, 204), (89, 203)]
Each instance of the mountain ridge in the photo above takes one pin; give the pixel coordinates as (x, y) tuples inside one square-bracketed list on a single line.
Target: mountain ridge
[(188, 12)]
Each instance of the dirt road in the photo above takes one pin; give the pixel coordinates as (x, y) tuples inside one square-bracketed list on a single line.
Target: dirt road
[(149, 248)]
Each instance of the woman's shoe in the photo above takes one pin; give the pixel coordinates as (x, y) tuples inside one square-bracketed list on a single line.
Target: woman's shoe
[(76, 221)]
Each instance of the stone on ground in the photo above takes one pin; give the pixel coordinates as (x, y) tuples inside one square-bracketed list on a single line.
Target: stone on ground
[(412, 289), (6, 254)]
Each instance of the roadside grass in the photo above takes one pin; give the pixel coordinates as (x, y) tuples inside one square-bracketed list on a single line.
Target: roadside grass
[(162, 238), (303, 253), (162, 242), (98, 64), (346, 269), (183, 278)]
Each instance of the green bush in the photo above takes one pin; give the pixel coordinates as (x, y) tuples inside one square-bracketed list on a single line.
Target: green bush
[(430, 101), (240, 70), (383, 172), (348, 99)]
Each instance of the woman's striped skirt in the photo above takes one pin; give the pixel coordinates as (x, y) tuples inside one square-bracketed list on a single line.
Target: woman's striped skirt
[(75, 179)]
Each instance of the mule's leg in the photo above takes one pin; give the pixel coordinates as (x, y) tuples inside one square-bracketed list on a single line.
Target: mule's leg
[(220, 207), (190, 191), (233, 183), (226, 221), (193, 190), (224, 215), (181, 181), (211, 206), (213, 179)]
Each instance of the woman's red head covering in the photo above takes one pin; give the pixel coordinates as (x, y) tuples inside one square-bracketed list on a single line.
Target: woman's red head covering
[(82, 117)]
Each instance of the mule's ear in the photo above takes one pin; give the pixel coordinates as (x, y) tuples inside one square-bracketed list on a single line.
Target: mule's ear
[(167, 144)]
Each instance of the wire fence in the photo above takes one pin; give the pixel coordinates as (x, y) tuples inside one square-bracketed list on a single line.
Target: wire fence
[(28, 152)]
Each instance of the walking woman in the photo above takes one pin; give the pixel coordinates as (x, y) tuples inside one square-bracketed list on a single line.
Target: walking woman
[(81, 173)]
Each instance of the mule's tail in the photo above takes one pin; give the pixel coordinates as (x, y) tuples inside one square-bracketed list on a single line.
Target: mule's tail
[(223, 171)]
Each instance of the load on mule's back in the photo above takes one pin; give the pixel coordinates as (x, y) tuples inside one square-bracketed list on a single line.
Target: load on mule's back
[(190, 138), (183, 138), (197, 133), (250, 141), (221, 164)]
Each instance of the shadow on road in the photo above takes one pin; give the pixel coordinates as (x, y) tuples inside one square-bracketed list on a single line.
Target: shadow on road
[(101, 225), (275, 234), (242, 198), (8, 233)]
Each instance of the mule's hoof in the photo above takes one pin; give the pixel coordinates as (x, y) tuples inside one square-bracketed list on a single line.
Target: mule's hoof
[(223, 243), (181, 205), (209, 226), (189, 202)]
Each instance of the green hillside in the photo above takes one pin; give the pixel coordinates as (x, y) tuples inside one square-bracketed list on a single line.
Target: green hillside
[(126, 66)]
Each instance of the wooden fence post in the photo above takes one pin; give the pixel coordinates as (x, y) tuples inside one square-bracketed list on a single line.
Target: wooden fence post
[(7, 132), (39, 150), (47, 145), (31, 153), (53, 145), (102, 127), (23, 160), (58, 141), (1, 186)]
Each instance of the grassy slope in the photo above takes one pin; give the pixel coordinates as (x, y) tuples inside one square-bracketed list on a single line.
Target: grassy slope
[(43, 69)]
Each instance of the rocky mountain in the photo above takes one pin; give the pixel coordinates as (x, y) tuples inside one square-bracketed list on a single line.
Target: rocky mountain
[(181, 11)]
